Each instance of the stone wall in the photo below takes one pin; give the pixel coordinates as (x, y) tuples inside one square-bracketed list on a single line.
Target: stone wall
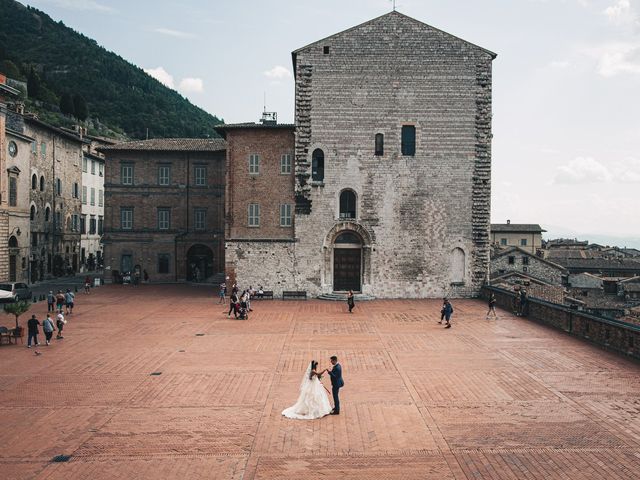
[(536, 268), (414, 211), (617, 336)]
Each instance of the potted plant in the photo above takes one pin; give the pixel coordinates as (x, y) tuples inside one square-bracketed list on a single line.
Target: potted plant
[(17, 309)]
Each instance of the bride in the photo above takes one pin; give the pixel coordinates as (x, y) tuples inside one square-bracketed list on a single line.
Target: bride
[(313, 401)]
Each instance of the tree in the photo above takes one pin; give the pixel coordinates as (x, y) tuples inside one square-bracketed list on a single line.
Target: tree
[(17, 309), (80, 107), (34, 84), (67, 105)]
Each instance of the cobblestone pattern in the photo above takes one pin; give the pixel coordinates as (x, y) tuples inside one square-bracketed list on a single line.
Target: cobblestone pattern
[(505, 399)]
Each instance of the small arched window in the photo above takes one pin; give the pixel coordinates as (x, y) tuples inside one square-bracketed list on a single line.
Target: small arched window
[(42, 183), (457, 265), (379, 144), (13, 242), (34, 182), (348, 204), (32, 212), (317, 165), (47, 214)]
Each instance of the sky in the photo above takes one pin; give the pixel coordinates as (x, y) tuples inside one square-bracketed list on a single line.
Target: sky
[(566, 84)]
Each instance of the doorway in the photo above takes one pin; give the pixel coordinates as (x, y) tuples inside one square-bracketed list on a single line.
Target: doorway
[(347, 263), (199, 263)]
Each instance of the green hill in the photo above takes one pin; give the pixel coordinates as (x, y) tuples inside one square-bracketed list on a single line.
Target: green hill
[(66, 69)]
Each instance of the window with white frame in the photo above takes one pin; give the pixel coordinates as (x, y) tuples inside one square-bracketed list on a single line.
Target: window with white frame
[(200, 218), (285, 215), (126, 218), (84, 164), (100, 198), (254, 215), (84, 195), (164, 174), (43, 149), (200, 175), (164, 218), (126, 174), (93, 167), (254, 164), (285, 163), (101, 169), (93, 196)]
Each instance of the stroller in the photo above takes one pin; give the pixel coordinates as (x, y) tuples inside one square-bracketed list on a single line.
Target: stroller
[(243, 312)]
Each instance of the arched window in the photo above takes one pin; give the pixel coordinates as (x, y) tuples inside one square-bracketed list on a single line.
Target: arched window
[(457, 265), (32, 212), (34, 182), (348, 238), (47, 213), (348, 204), (379, 144), (42, 183), (13, 242), (317, 165)]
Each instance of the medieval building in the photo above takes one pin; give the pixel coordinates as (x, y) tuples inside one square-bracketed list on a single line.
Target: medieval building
[(391, 169)]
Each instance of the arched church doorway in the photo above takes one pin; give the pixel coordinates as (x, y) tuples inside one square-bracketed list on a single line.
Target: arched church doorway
[(347, 262), (199, 263)]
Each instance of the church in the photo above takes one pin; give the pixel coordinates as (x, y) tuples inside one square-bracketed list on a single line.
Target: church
[(383, 184)]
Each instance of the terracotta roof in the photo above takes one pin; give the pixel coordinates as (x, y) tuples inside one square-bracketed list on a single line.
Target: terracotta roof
[(601, 263), (516, 227), (170, 145), (59, 131)]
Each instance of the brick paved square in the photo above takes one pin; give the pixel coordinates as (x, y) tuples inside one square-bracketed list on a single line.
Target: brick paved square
[(506, 399)]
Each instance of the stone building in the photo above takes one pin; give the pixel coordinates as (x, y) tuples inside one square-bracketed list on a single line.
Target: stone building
[(18, 170), (260, 202), (523, 235), (92, 220), (516, 259), (164, 209), (392, 170)]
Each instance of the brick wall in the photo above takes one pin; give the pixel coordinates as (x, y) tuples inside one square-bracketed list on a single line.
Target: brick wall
[(614, 335)]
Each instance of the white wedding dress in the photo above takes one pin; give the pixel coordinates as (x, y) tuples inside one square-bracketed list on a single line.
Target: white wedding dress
[(313, 401)]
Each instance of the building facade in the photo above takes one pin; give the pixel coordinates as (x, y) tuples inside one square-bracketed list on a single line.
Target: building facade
[(525, 236), (92, 220), (516, 259), (164, 209), (392, 171)]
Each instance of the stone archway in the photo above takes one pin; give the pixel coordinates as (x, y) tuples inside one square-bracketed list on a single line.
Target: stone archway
[(347, 258), (199, 263)]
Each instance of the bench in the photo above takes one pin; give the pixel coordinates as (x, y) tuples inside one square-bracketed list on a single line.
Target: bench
[(294, 294), (266, 295)]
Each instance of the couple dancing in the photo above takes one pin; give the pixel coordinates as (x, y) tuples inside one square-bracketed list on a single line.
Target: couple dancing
[(313, 401)]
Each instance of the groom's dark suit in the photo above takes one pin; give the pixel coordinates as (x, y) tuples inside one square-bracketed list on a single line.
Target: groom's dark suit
[(336, 384)]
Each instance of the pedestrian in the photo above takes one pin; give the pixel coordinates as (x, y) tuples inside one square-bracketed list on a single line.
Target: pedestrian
[(221, 293), (448, 311), (69, 297), (351, 301), (32, 326), (492, 306), (87, 284), (233, 305), (59, 301), (51, 301), (444, 302), (48, 328), (60, 323), (234, 288), (524, 303), (145, 275)]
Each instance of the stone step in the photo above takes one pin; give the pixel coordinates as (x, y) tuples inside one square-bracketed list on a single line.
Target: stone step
[(341, 297)]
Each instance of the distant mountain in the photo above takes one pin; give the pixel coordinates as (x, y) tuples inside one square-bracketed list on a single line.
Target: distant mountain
[(68, 72), (602, 239)]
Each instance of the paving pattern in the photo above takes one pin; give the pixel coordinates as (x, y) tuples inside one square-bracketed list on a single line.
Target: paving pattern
[(155, 382)]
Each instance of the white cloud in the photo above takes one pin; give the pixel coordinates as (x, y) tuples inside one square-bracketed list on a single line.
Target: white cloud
[(174, 33), (161, 75), (621, 13), (84, 5), (616, 58), (628, 170), (278, 73), (191, 85), (559, 64), (582, 170)]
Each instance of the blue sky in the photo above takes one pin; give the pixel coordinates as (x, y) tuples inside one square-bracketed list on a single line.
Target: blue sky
[(566, 84)]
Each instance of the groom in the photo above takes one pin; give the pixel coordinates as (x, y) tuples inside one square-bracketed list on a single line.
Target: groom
[(336, 383)]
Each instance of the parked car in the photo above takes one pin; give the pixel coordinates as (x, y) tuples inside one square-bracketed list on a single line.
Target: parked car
[(6, 297), (16, 290)]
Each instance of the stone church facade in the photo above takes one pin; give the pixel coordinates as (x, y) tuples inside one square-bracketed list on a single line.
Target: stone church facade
[(392, 169)]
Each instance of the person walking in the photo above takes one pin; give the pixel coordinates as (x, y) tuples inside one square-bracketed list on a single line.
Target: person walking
[(221, 293), (87, 284), (69, 297), (59, 301), (350, 301), (48, 328), (32, 326), (492, 307), (444, 302), (60, 322), (51, 301), (448, 311), (233, 305)]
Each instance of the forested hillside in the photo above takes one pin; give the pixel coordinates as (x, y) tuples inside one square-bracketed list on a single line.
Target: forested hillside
[(71, 77)]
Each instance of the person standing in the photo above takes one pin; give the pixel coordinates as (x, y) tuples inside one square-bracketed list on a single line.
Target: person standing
[(69, 297), (60, 322), (48, 328), (51, 301), (223, 288), (87, 284), (448, 311), (233, 305), (444, 302), (350, 301), (59, 301), (32, 326), (336, 384), (492, 306)]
